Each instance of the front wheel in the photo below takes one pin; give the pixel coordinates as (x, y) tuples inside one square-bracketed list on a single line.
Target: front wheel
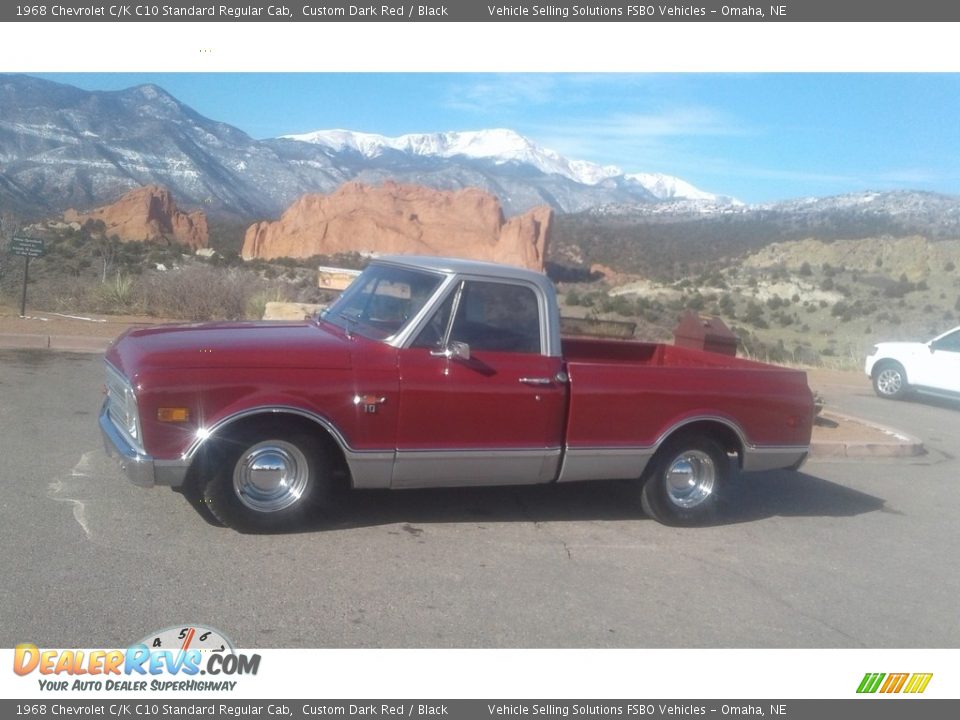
[(890, 381), (681, 484), (268, 481)]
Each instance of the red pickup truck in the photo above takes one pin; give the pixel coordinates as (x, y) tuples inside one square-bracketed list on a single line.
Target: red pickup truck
[(431, 372)]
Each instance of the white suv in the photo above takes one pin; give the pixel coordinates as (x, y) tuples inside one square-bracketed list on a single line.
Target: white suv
[(897, 368)]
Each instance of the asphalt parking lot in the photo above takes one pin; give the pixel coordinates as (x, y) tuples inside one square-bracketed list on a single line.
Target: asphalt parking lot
[(846, 553)]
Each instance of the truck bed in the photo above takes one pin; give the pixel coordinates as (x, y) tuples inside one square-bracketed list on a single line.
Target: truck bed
[(580, 350), (631, 394)]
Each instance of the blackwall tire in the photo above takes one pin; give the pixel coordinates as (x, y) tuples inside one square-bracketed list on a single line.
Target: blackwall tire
[(682, 484), (268, 481)]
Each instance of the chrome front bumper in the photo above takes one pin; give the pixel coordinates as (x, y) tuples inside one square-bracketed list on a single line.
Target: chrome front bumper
[(139, 468)]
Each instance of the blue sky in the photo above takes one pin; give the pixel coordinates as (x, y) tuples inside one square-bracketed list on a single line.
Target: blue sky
[(759, 137)]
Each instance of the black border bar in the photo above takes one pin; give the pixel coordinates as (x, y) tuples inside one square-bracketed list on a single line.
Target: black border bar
[(647, 709), (394, 11)]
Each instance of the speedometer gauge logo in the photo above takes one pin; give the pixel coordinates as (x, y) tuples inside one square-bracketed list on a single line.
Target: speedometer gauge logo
[(189, 637)]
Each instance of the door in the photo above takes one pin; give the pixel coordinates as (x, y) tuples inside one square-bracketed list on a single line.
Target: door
[(480, 401), (944, 362)]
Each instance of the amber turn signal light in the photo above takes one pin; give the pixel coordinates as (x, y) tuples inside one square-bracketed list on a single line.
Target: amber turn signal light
[(173, 414)]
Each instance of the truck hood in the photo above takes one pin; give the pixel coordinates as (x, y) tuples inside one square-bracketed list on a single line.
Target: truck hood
[(230, 345)]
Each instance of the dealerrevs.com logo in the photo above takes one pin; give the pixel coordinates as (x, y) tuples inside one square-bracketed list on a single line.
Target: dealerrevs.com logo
[(912, 683), (170, 659)]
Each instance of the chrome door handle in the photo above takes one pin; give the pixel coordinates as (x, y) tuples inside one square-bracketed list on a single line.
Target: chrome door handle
[(537, 381)]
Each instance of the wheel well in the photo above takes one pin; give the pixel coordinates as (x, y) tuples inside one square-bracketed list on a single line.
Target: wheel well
[(271, 421), (726, 436), (885, 363)]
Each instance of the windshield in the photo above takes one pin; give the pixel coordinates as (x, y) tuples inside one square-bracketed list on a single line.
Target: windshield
[(382, 300)]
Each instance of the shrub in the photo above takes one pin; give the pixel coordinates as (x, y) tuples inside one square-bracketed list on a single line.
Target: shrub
[(257, 303), (117, 296), (901, 288), (199, 293), (754, 315)]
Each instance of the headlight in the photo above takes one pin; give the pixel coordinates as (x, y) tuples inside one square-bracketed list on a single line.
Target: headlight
[(123, 405)]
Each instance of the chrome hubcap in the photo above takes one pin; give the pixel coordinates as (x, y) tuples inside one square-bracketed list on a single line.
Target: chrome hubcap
[(271, 476), (690, 478), (889, 381)]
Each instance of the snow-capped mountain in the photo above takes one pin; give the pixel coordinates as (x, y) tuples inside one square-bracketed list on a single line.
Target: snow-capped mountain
[(895, 213), (499, 145), (667, 187), (502, 146), (63, 147)]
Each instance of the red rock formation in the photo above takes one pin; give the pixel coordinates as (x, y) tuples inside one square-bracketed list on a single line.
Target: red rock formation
[(148, 213), (403, 219)]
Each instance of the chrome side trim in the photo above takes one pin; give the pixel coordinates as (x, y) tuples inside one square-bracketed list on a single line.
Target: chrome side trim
[(753, 458), (604, 463), (629, 463), (464, 468), (205, 434), (726, 422), (625, 463), (368, 469), (774, 458)]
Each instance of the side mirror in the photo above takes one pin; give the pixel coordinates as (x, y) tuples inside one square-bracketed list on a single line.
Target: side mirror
[(459, 350), (456, 350)]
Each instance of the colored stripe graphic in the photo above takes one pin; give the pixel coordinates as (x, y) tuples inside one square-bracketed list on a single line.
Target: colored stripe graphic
[(918, 683), (870, 682), (895, 682)]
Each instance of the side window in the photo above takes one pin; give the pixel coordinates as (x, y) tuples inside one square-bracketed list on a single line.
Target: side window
[(491, 316), (432, 334), (949, 342), (383, 299)]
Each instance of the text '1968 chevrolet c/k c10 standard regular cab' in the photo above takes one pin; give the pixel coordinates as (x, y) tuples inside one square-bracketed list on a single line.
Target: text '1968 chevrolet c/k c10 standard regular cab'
[(431, 372)]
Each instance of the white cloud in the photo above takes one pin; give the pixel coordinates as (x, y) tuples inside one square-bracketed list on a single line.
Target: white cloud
[(485, 93), (636, 141)]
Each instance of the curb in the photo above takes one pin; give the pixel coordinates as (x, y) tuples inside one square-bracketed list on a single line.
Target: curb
[(900, 444), (63, 343)]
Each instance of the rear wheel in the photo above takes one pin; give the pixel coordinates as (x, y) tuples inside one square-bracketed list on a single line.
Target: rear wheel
[(890, 380), (268, 480), (681, 484)]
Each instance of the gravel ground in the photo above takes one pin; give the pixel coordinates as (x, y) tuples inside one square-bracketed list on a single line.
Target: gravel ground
[(82, 324)]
